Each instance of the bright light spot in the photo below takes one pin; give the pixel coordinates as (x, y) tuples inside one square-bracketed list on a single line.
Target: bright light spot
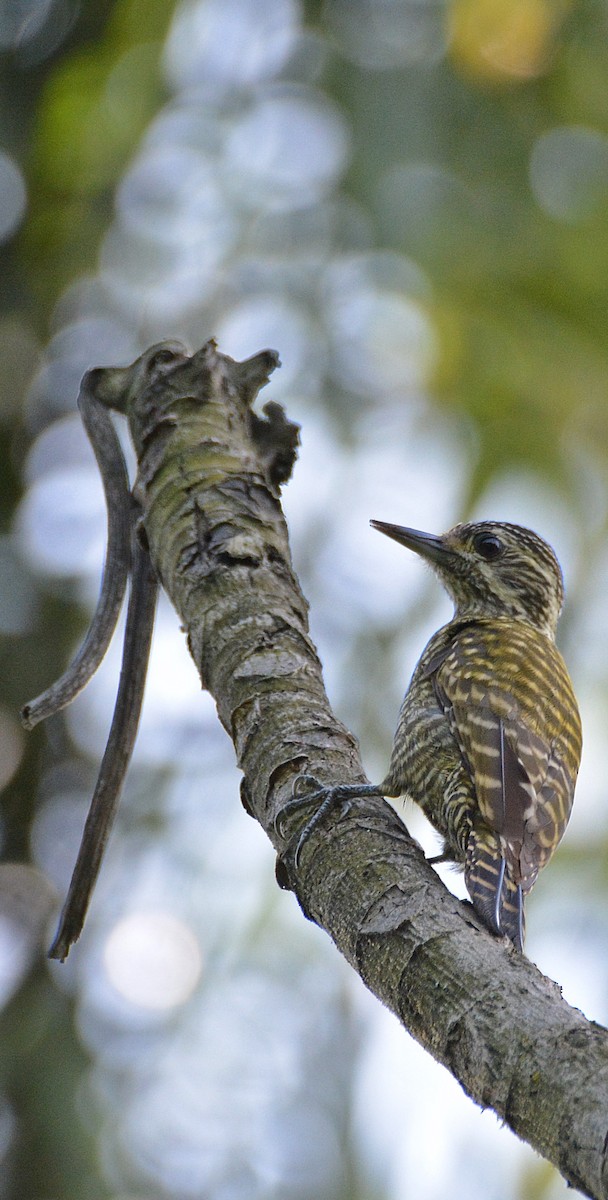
[(311, 493), (162, 278), (153, 960), (62, 444), (569, 172), (92, 340), (173, 685), (171, 194), (272, 320), (382, 337), (230, 43), (361, 571), (389, 342), (13, 196), (61, 522), (57, 829), (178, 718), (287, 150)]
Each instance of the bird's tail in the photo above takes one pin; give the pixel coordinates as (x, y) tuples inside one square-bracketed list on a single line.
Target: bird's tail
[(496, 898)]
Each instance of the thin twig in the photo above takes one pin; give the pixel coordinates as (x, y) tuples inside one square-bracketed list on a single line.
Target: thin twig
[(123, 731), (110, 459)]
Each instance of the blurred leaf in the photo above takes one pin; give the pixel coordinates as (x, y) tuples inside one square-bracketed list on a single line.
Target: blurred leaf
[(94, 108), (500, 41)]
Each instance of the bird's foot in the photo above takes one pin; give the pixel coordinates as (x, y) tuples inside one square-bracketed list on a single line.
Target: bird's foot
[(326, 798), (440, 858)]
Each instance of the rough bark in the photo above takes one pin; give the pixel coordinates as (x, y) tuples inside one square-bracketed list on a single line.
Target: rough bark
[(208, 488)]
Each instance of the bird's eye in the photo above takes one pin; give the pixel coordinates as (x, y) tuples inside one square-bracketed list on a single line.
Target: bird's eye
[(488, 545)]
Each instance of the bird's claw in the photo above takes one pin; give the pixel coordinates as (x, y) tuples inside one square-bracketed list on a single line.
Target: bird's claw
[(300, 799), (327, 797), (304, 781)]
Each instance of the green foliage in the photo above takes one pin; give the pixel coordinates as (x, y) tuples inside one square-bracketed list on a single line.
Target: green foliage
[(520, 292), (94, 108)]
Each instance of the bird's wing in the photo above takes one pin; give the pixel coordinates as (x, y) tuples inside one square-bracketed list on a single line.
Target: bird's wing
[(523, 788)]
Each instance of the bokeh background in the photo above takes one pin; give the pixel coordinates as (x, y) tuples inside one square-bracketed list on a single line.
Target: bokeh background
[(409, 200)]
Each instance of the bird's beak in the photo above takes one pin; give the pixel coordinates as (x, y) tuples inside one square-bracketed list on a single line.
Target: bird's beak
[(427, 545)]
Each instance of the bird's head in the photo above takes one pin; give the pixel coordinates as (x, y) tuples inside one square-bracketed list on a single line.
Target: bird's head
[(492, 569)]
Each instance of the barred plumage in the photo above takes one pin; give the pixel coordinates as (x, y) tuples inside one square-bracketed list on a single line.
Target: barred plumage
[(489, 736)]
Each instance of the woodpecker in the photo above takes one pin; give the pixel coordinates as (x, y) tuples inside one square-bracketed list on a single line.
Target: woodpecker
[(489, 738)]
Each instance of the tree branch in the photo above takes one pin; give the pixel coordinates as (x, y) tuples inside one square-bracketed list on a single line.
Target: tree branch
[(208, 480)]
